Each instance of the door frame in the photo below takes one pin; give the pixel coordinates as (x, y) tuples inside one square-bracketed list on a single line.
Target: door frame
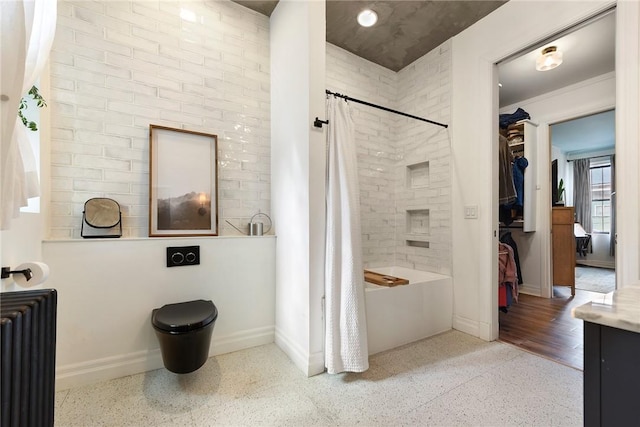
[(474, 131), (548, 285), (606, 105)]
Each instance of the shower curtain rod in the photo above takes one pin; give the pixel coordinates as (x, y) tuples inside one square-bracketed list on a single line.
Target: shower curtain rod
[(348, 98)]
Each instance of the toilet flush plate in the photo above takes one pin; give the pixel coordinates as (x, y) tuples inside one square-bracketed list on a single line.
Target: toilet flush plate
[(178, 256)]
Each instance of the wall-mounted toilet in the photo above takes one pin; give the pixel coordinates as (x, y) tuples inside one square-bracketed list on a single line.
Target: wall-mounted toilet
[(184, 331)]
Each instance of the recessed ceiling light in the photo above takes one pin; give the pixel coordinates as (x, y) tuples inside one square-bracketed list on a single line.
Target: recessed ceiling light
[(367, 18)]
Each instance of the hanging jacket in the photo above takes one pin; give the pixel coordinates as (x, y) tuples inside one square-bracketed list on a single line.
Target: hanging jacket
[(507, 275), (507, 238), (506, 189), (519, 165)]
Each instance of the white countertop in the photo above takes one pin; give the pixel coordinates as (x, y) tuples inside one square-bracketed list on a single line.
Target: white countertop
[(619, 309)]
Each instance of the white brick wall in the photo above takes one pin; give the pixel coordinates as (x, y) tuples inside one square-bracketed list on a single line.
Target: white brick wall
[(389, 143), (424, 89), (375, 139), (118, 66)]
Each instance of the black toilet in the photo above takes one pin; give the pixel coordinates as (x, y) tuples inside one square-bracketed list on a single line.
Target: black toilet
[(184, 332)]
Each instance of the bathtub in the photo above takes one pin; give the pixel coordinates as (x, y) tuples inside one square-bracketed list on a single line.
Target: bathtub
[(402, 314)]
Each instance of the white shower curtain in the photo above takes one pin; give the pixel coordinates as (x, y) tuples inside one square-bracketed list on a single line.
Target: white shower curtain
[(346, 347)]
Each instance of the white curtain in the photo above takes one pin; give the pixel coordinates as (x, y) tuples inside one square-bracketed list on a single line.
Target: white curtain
[(28, 29), (346, 348)]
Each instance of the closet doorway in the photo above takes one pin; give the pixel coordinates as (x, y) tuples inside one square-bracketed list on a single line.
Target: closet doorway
[(582, 85)]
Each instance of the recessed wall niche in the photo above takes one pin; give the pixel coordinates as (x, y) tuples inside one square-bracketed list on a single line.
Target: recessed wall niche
[(418, 244), (418, 175), (417, 228), (418, 222)]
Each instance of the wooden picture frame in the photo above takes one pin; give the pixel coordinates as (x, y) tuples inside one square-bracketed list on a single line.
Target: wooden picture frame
[(183, 183)]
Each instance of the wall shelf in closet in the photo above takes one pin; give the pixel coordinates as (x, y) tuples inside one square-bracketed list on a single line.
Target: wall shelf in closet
[(524, 143), (518, 223), (517, 146)]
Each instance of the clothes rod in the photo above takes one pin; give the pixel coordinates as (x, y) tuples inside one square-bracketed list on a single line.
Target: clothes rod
[(348, 98)]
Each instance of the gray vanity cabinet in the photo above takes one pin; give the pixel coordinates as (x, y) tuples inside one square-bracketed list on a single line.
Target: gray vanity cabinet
[(611, 376)]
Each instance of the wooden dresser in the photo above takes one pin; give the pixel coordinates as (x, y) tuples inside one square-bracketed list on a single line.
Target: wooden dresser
[(563, 247)]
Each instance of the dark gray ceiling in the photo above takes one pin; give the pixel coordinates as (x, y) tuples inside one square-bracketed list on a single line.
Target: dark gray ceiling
[(406, 30), (264, 7)]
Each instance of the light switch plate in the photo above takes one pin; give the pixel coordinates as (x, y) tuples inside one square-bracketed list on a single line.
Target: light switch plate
[(471, 212)]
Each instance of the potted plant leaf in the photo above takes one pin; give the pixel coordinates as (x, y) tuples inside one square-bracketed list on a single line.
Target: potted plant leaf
[(40, 102), (561, 192)]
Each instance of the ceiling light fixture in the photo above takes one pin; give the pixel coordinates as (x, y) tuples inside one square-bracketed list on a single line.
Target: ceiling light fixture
[(367, 18), (549, 59)]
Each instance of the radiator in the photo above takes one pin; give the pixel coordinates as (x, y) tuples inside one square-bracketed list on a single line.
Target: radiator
[(28, 357)]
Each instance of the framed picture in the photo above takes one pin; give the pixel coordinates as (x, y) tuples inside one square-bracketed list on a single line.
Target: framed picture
[(183, 177)]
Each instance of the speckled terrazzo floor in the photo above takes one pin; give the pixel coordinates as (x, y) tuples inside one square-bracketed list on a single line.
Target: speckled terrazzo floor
[(451, 379)]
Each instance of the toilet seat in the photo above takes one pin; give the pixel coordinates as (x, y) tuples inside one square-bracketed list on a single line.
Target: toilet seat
[(184, 316)]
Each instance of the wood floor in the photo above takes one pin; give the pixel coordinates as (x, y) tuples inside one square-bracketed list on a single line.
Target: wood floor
[(544, 325)]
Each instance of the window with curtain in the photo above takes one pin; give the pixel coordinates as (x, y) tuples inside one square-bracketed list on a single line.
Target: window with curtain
[(600, 170), (32, 113), (26, 36)]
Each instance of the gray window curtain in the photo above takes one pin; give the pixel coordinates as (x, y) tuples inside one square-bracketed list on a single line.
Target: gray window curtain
[(612, 233), (582, 192)]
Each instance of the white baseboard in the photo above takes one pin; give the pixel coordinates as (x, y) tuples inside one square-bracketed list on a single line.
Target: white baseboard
[(474, 328), (316, 363), (309, 364), (484, 332), (93, 371), (467, 326), (107, 368), (241, 340), (529, 290)]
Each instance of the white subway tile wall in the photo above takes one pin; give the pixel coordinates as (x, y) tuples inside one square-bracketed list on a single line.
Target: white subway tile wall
[(391, 146), (424, 89), (119, 66), (375, 139)]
